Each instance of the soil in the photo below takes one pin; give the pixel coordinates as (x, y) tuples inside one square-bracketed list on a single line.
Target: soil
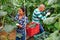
[(12, 35), (29, 38), (5, 36), (32, 38)]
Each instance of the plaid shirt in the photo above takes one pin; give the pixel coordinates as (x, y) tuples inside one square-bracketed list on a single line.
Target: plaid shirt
[(37, 16), (22, 22)]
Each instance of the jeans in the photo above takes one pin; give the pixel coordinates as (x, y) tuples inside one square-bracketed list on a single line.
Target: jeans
[(41, 28), (23, 36), (17, 38)]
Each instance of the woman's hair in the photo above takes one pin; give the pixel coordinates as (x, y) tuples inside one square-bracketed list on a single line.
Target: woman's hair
[(24, 10)]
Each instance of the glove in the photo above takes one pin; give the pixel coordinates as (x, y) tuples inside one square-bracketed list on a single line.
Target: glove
[(17, 24), (48, 13)]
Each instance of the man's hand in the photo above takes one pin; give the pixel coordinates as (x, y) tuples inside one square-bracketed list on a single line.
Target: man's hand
[(48, 13)]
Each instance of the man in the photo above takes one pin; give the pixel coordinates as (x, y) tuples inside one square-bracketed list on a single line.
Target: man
[(37, 16)]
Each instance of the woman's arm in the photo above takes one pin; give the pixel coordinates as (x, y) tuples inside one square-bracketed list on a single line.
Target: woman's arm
[(27, 21), (19, 25)]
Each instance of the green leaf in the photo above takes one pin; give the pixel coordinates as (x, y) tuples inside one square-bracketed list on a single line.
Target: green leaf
[(19, 35), (49, 21), (3, 13), (8, 28), (57, 25)]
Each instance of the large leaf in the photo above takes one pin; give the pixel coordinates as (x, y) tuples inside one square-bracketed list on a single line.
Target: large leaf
[(3, 13), (49, 21), (53, 15), (8, 28), (58, 15), (56, 25), (19, 35), (54, 36), (52, 1)]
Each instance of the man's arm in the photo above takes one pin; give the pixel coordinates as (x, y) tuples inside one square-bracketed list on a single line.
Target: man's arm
[(41, 16)]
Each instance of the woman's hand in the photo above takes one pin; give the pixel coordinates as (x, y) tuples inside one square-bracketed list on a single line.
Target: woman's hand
[(18, 25)]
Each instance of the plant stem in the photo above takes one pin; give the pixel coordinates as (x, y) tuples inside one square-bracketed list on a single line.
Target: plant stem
[(3, 20), (59, 23)]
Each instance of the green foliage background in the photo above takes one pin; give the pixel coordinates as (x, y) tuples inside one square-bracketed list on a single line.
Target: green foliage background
[(8, 10), (11, 7)]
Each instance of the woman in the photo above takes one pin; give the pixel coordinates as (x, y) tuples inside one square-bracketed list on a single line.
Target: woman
[(22, 20)]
